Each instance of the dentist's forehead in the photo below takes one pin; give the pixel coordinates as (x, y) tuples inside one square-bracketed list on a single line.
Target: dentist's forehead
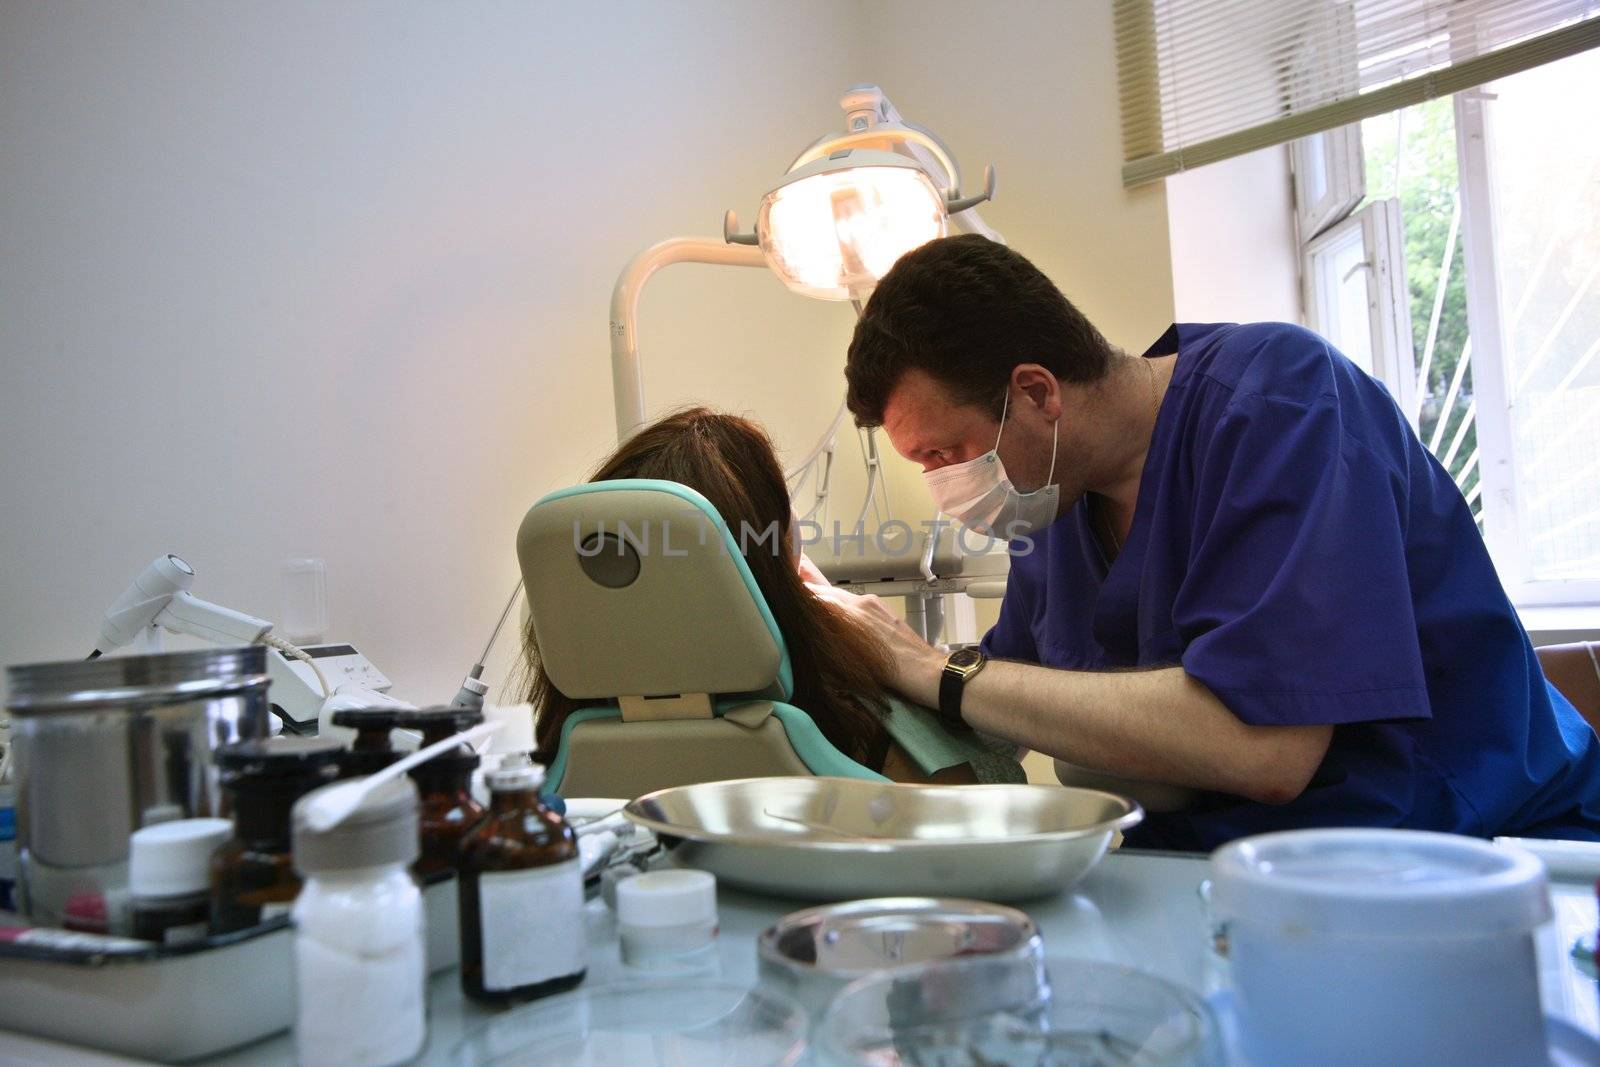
[(921, 416)]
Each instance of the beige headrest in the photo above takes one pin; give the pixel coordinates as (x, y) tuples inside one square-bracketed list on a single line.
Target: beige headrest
[(636, 590)]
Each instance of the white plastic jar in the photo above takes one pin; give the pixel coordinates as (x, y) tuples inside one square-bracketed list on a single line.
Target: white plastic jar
[(359, 942), (1350, 948), (667, 922)]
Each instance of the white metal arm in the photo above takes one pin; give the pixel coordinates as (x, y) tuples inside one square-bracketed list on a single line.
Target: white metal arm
[(626, 381)]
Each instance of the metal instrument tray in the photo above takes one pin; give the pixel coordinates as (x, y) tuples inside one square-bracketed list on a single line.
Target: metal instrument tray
[(842, 838)]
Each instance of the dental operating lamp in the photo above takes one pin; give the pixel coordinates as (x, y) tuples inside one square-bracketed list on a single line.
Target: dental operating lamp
[(848, 207)]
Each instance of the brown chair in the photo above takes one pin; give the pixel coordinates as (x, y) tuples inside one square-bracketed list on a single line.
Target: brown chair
[(1575, 670)]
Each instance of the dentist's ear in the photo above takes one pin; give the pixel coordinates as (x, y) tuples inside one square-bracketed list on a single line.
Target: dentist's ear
[(1040, 387)]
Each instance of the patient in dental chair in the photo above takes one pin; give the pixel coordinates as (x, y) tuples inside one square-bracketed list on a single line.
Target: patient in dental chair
[(730, 461)]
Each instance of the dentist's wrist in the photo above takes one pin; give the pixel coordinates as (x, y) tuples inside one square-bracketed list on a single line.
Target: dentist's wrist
[(918, 675)]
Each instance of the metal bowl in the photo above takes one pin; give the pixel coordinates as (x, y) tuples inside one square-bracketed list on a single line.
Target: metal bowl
[(842, 838)]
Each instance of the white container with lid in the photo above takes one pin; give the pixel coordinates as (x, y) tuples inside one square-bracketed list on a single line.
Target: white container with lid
[(667, 921), (173, 859), (1399, 947)]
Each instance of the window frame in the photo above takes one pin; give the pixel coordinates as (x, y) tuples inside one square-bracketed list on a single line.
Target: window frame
[(1343, 177), (1388, 318), (1503, 528)]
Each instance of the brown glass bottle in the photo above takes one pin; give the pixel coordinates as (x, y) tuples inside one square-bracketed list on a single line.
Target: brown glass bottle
[(447, 813), (370, 751), (521, 895), (448, 809), (252, 877)]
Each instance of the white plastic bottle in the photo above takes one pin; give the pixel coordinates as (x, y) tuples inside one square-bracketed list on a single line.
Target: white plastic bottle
[(360, 961)]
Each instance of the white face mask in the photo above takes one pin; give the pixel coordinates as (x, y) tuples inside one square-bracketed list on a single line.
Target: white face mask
[(978, 493)]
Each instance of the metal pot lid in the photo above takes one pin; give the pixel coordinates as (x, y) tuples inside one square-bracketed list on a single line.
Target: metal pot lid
[(172, 677)]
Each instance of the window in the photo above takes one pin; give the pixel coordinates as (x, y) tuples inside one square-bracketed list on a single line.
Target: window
[(1491, 301)]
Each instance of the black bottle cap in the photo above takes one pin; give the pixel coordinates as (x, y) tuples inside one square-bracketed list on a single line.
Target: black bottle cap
[(278, 756), (441, 722), (369, 718)]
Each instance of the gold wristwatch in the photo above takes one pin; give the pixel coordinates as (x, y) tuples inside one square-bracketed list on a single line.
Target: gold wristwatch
[(959, 668)]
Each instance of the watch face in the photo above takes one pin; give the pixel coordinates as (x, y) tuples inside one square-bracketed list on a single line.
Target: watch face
[(966, 657)]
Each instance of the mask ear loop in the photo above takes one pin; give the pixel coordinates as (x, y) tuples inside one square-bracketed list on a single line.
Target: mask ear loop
[(1005, 405), (1055, 441)]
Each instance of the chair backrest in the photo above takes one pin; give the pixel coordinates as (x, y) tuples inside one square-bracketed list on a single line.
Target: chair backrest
[(1575, 670), (644, 608)]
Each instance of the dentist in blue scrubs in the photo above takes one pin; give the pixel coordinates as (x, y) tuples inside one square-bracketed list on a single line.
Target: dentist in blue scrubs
[(1235, 568)]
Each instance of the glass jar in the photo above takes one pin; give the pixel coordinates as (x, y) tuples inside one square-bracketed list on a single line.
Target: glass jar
[(448, 808), (371, 750), (252, 877), (359, 936)]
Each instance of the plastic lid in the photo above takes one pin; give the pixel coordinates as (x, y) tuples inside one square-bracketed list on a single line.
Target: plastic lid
[(173, 859), (383, 829), (516, 771), (667, 898), (1379, 883), (279, 755)]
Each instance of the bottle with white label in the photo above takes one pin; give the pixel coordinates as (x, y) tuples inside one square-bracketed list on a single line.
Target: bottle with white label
[(521, 895)]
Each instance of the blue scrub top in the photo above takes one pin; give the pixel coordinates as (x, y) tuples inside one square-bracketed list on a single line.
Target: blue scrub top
[(1297, 549)]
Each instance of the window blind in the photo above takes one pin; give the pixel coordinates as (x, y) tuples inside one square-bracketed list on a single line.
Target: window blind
[(1203, 80)]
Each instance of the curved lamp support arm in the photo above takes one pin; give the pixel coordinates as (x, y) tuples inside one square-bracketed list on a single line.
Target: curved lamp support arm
[(627, 383), (884, 132)]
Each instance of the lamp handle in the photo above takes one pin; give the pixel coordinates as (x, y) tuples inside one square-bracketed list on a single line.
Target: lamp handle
[(730, 231), (956, 204)]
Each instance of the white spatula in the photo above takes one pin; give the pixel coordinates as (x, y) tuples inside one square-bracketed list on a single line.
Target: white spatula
[(335, 803)]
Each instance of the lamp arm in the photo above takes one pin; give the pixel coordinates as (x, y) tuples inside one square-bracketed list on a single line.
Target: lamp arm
[(627, 382), (884, 132)]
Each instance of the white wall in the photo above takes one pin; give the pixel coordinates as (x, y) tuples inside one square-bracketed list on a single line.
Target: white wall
[(332, 280), (1234, 251)]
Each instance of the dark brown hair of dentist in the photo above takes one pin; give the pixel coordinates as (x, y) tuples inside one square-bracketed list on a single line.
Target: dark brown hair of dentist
[(836, 663)]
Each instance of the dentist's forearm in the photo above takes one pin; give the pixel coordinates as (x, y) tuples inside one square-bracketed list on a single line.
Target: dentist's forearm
[(1161, 725)]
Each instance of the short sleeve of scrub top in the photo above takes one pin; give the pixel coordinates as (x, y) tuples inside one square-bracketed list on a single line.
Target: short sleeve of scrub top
[(1295, 609)]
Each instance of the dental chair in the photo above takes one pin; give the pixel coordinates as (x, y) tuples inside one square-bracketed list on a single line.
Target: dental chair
[(647, 616)]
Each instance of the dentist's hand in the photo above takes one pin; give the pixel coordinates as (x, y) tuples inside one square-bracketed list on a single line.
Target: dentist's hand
[(810, 573), (914, 664)]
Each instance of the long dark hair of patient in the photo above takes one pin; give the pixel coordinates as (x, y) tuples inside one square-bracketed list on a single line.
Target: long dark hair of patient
[(836, 663)]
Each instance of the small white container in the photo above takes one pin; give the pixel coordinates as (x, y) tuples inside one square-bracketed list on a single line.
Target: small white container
[(667, 921), (168, 875), (1358, 947)]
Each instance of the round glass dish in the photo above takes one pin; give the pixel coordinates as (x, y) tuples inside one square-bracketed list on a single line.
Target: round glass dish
[(979, 1011), (645, 1023)]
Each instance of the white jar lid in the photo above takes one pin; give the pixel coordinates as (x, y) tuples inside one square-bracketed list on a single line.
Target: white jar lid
[(1379, 883), (173, 858), (667, 898)]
